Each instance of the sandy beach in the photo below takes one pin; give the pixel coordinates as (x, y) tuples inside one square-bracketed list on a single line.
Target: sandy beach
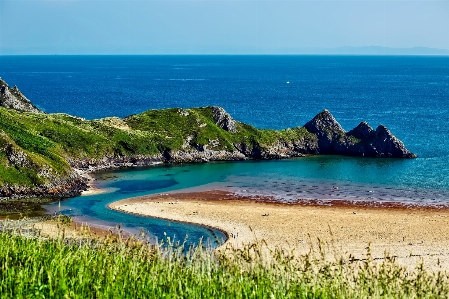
[(92, 189), (411, 234)]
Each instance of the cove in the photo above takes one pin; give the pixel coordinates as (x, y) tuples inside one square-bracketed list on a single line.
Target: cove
[(315, 177), (121, 184)]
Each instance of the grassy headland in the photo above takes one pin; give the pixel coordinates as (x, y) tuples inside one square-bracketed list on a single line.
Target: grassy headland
[(38, 147)]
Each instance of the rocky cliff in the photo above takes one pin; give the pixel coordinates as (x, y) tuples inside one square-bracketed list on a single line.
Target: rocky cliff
[(360, 141)]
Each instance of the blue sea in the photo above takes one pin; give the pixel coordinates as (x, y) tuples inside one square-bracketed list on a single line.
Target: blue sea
[(408, 94)]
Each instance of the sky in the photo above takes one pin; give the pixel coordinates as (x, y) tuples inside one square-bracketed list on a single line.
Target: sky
[(217, 26)]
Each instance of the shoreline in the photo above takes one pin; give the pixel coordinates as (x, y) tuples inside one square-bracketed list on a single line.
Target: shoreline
[(410, 234), (211, 194), (92, 187)]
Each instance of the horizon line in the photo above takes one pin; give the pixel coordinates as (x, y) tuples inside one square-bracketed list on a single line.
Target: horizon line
[(228, 54)]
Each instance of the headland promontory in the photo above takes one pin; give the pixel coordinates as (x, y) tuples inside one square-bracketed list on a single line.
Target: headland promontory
[(46, 155)]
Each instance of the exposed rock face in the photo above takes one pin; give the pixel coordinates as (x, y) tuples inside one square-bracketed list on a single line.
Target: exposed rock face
[(331, 136), (92, 165), (16, 157), (224, 120), (381, 143), (362, 131), (202, 155), (324, 123), (12, 98), (281, 149), (57, 188)]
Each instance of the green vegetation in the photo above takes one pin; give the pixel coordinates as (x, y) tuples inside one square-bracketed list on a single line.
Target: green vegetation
[(171, 128), (36, 147), (36, 268)]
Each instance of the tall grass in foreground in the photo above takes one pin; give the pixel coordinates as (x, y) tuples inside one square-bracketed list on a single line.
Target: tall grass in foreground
[(37, 268)]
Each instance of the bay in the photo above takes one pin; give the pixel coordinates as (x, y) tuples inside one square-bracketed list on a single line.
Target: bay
[(408, 94)]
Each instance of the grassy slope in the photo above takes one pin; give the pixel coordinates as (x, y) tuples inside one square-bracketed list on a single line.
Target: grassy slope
[(34, 268), (172, 128), (49, 139)]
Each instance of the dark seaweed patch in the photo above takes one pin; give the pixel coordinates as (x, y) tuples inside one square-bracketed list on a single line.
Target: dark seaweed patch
[(131, 186)]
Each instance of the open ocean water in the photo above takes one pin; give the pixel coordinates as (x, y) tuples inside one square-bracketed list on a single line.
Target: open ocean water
[(408, 94)]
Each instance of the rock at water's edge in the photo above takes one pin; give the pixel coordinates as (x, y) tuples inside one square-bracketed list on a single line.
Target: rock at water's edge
[(385, 144)]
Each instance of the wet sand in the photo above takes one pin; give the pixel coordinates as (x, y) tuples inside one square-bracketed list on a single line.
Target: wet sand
[(92, 188), (410, 233)]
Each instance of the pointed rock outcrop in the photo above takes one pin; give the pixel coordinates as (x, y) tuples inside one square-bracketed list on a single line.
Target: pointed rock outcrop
[(328, 131), (12, 98), (362, 131), (324, 123), (384, 144), (223, 119)]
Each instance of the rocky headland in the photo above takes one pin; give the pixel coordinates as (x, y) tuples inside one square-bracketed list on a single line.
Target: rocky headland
[(48, 155), (360, 141)]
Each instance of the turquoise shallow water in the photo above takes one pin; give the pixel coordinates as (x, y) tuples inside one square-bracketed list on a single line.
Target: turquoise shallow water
[(93, 210)]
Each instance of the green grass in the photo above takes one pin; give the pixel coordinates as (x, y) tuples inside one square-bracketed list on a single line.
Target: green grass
[(36, 268)]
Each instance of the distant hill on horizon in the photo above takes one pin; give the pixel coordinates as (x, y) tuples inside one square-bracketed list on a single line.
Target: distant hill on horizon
[(373, 50)]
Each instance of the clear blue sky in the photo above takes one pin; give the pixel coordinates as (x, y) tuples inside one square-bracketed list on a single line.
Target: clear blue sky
[(217, 27)]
